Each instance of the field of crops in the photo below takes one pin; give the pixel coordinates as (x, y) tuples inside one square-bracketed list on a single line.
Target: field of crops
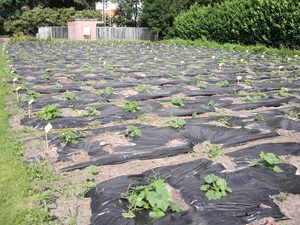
[(115, 102)]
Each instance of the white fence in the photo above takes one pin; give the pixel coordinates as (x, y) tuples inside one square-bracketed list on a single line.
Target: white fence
[(103, 33)]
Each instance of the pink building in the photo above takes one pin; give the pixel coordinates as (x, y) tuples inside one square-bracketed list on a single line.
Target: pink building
[(82, 29)]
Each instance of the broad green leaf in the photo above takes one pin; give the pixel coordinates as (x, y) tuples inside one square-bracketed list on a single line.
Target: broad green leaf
[(90, 177), (204, 187), (93, 169), (156, 213), (130, 214), (181, 122), (158, 183), (174, 207), (271, 159), (211, 178), (262, 155), (157, 200), (277, 169), (211, 195), (222, 184), (254, 163)]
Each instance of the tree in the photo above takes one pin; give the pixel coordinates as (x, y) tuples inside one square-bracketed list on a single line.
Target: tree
[(160, 14), (127, 13), (16, 7), (28, 22)]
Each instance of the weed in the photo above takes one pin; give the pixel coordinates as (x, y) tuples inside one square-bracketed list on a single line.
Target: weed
[(132, 131), (267, 159), (213, 150), (49, 112), (153, 196), (177, 101), (177, 123), (215, 187), (248, 82), (68, 96), (132, 107), (282, 196), (143, 118)]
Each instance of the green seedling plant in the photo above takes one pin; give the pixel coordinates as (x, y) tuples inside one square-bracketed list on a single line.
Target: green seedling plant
[(223, 83), (211, 103), (215, 187), (143, 118), (132, 131), (177, 123), (141, 88), (177, 101), (44, 77), (248, 82), (48, 69), (109, 91), (224, 121), (282, 196), (89, 111), (213, 150), (259, 117), (154, 197), (90, 177), (58, 85), (49, 112), (71, 136), (69, 96), (294, 114), (32, 95), (131, 107), (283, 93), (86, 68), (250, 99), (201, 84), (268, 159)]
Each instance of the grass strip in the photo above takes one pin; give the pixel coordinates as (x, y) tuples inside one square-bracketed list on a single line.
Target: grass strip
[(251, 48), (20, 200)]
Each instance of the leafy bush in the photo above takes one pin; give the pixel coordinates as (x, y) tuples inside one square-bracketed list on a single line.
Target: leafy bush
[(71, 136), (269, 22), (49, 112), (153, 196), (69, 96)]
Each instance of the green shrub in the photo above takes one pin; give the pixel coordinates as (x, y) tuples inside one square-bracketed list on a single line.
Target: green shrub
[(268, 22)]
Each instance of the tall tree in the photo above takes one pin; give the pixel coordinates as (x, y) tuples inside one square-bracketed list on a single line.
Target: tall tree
[(160, 14), (127, 12)]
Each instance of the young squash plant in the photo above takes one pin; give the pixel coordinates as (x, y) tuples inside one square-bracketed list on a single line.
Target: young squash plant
[(89, 111), (153, 196), (49, 112), (267, 159), (215, 187), (132, 131), (177, 123), (70, 136), (132, 107), (177, 101)]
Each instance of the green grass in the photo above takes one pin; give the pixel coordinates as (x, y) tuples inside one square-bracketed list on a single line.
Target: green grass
[(251, 48), (19, 198)]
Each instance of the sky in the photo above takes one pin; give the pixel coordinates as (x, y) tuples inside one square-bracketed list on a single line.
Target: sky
[(110, 5)]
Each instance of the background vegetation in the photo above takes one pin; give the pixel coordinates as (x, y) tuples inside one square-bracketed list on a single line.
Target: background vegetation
[(273, 23)]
